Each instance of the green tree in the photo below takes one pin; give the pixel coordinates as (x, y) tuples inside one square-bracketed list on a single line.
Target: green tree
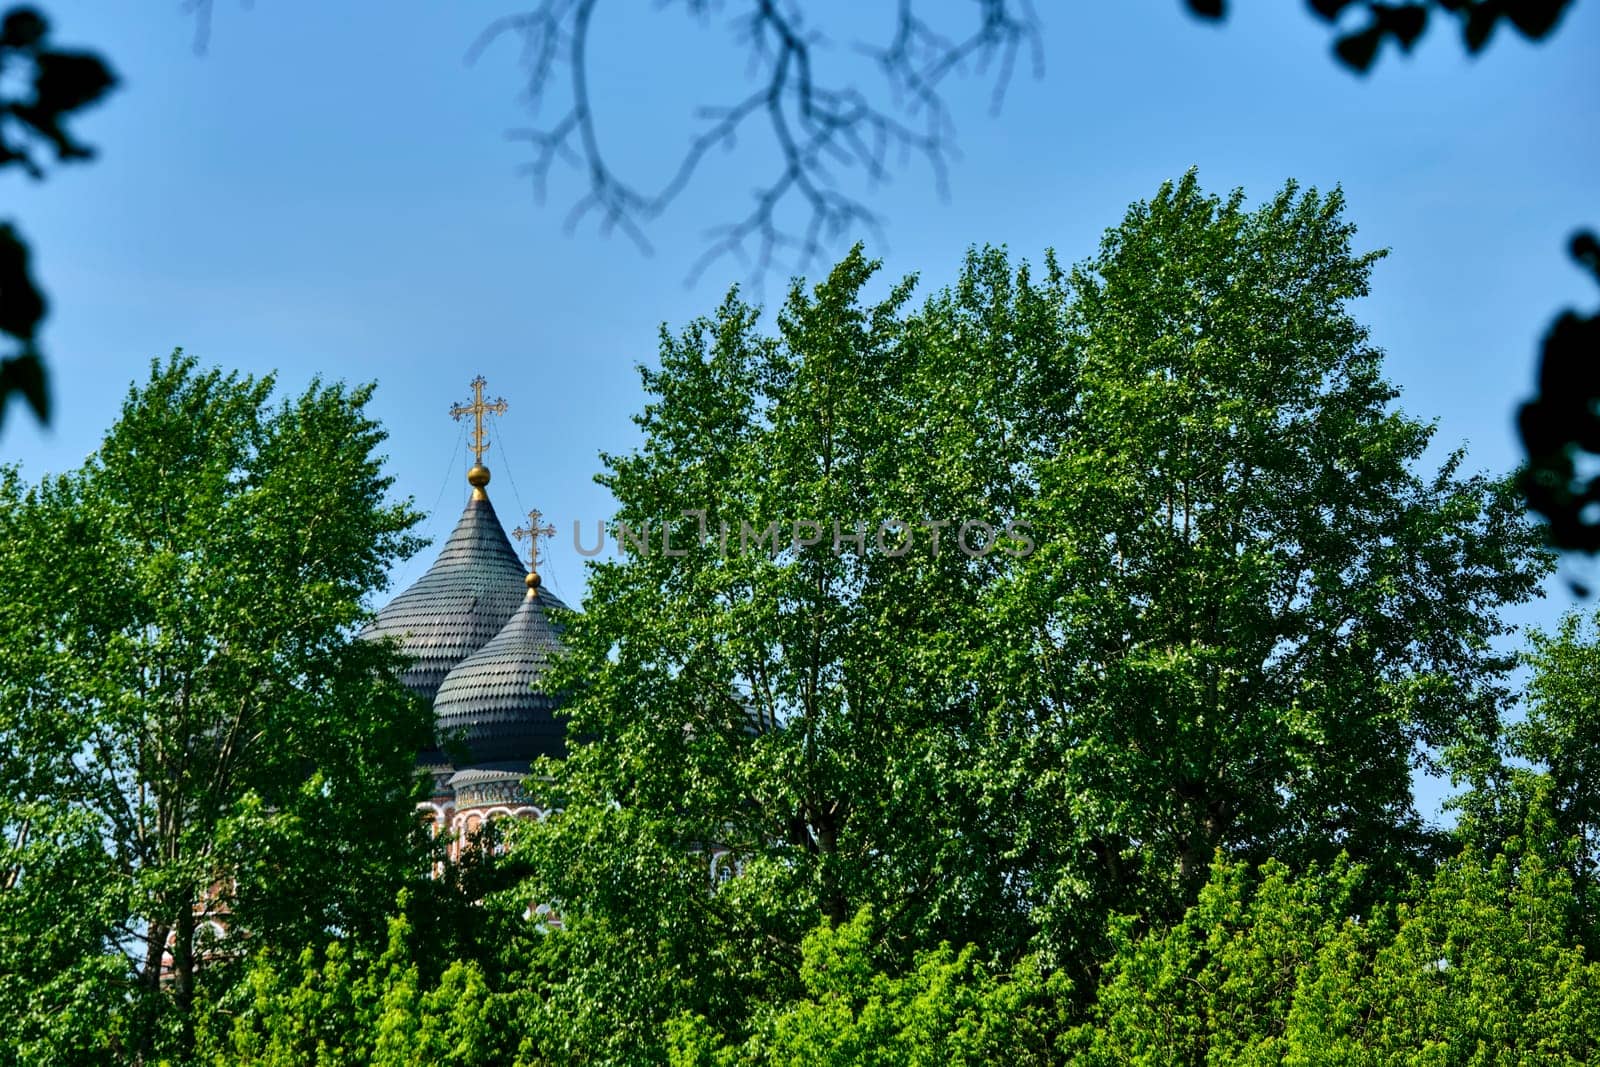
[(342, 1006), (804, 709), (1561, 735), (1229, 613), (1254, 609), (59, 983), (187, 718), (1550, 756), (1477, 964), (1219, 985), (1483, 966), (949, 1008)]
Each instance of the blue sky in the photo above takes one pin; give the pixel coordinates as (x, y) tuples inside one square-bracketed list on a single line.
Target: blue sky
[(329, 189)]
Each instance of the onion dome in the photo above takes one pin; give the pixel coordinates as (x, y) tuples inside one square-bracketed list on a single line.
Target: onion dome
[(470, 591), (494, 702), (462, 601)]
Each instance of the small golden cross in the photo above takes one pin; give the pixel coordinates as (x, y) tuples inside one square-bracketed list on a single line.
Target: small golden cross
[(478, 409), (531, 533)]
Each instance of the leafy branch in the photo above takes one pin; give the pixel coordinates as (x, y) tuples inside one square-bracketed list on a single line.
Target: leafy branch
[(1359, 37), (1561, 425), (55, 84)]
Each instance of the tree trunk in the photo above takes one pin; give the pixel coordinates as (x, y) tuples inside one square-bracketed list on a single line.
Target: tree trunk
[(183, 968), (155, 947)]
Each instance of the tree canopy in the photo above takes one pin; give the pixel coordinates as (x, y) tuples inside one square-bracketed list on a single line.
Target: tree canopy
[(199, 760), (1032, 673), (1003, 615)]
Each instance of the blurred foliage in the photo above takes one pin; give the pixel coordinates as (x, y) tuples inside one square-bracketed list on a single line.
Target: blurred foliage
[(41, 87), (1404, 23), (1561, 425)]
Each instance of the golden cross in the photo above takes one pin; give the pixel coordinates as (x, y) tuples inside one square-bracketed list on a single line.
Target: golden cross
[(478, 409), (531, 533)]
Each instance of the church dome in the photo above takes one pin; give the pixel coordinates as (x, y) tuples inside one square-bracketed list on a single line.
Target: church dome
[(494, 702), (462, 601)]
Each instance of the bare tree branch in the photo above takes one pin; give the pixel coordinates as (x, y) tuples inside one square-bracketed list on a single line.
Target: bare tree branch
[(819, 128)]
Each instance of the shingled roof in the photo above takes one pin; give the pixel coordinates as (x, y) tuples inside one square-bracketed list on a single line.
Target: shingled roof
[(463, 600), (493, 701)]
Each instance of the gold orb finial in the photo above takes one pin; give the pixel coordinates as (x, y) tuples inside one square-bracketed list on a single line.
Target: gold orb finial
[(478, 476)]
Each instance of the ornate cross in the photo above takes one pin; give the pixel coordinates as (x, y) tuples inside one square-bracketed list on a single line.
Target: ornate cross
[(478, 409), (531, 533)]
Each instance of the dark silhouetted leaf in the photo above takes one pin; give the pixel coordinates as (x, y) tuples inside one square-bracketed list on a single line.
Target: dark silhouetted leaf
[(1358, 50), (25, 374), (1586, 250), (23, 27), (70, 80), (1404, 23), (1329, 9), (21, 308), (1208, 9), (1481, 19), (21, 303), (1535, 18)]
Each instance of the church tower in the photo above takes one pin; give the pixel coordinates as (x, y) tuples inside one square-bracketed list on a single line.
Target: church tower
[(481, 632)]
